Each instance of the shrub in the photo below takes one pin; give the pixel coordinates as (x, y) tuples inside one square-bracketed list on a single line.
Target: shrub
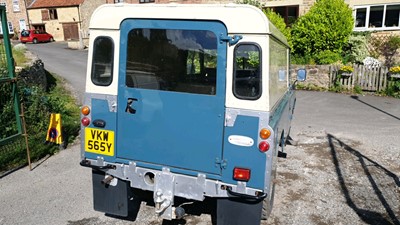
[(42, 94), (327, 57), (356, 50), (371, 62), (326, 26), (255, 3), (279, 23)]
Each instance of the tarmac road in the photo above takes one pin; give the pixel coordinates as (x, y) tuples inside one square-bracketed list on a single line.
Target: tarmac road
[(68, 63)]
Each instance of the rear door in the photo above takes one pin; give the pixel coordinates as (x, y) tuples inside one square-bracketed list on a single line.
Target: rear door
[(171, 94)]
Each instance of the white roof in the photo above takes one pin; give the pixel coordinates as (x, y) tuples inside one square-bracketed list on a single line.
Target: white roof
[(238, 18)]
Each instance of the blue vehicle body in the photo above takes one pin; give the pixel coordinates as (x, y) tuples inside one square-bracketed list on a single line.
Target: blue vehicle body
[(185, 106)]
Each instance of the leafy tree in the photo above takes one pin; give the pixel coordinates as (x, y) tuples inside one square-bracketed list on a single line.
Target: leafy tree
[(326, 27), (279, 23), (255, 3)]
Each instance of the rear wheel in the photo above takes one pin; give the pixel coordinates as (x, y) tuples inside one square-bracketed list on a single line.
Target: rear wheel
[(266, 209), (35, 41)]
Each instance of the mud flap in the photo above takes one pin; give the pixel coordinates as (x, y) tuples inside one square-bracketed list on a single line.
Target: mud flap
[(234, 211), (110, 199)]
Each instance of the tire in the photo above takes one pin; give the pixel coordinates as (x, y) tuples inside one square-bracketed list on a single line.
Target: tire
[(266, 209), (35, 41), (51, 39)]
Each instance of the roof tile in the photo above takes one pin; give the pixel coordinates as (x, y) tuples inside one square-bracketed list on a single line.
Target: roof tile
[(54, 3)]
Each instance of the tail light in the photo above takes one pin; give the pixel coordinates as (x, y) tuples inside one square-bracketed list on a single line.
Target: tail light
[(241, 174), (85, 110), (85, 121), (264, 145)]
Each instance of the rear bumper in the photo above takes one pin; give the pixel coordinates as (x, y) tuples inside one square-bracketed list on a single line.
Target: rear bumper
[(189, 187)]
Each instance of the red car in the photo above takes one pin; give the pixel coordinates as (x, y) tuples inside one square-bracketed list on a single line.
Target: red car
[(35, 36)]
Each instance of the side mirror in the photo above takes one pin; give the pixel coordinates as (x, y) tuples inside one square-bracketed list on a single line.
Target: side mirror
[(301, 75)]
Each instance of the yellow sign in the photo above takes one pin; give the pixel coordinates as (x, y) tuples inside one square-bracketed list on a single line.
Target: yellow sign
[(99, 141), (54, 131)]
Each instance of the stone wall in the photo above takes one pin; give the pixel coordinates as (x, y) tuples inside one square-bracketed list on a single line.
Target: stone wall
[(317, 75), (86, 9)]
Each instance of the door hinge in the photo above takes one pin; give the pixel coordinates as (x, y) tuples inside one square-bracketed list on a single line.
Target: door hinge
[(222, 163), (232, 40)]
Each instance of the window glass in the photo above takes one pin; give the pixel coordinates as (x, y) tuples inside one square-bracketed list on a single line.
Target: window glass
[(288, 13), (25, 33), (247, 72), (102, 65), (392, 16), (361, 15), (172, 60), (278, 70), (376, 16)]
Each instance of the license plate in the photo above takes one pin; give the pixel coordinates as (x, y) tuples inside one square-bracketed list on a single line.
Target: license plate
[(99, 141)]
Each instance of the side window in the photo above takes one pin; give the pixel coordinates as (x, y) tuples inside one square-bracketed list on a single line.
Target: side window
[(247, 72), (102, 64)]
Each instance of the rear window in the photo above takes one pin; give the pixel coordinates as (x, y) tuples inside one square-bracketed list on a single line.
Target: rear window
[(172, 60), (103, 57), (25, 33)]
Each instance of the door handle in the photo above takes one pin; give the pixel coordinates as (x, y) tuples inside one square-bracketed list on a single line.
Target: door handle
[(129, 108)]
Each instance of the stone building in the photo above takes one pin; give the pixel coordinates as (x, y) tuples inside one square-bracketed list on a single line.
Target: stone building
[(65, 20), (16, 15)]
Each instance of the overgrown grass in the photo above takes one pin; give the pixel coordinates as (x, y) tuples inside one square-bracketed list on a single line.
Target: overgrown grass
[(39, 102), (19, 56)]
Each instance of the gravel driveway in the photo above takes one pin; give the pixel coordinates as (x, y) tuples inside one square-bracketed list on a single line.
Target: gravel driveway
[(344, 170)]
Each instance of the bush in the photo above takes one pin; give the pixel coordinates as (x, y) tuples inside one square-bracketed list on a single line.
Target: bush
[(356, 50), (42, 94), (327, 57), (279, 23), (327, 26), (255, 3)]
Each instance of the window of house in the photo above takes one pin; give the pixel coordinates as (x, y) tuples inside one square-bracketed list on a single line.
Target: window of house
[(103, 57), (247, 72), (45, 14), (146, 1), (377, 17), (5, 5), (49, 14), (288, 13), (16, 6), (53, 14)]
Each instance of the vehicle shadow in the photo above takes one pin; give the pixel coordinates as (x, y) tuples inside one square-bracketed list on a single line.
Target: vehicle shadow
[(374, 197)]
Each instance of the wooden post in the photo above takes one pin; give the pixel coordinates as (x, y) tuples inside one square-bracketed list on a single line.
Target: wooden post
[(25, 134)]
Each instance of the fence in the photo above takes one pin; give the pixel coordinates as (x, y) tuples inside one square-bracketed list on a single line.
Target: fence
[(11, 120), (368, 79)]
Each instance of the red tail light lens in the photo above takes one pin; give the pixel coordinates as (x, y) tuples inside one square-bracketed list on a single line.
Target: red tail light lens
[(263, 146), (85, 121), (241, 174)]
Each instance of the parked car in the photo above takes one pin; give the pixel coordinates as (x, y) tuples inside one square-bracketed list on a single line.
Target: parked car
[(35, 36)]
